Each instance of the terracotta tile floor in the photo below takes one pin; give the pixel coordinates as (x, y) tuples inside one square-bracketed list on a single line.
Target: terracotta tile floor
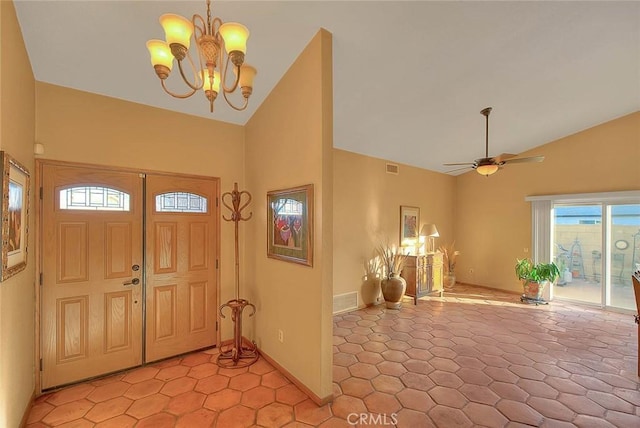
[(476, 357)]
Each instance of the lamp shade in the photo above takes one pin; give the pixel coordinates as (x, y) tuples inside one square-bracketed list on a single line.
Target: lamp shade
[(177, 29), (216, 80), (487, 169), (247, 74), (429, 229), (235, 36), (160, 53)]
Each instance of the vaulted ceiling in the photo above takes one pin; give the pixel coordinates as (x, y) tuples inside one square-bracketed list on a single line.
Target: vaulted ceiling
[(410, 78)]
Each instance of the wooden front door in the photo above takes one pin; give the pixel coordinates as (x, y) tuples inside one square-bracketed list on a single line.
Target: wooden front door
[(91, 308), (181, 299)]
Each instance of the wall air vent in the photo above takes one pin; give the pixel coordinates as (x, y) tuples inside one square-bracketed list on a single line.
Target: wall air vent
[(393, 168), (345, 302)]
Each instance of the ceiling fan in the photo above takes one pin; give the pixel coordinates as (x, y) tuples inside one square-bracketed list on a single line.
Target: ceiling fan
[(490, 165)]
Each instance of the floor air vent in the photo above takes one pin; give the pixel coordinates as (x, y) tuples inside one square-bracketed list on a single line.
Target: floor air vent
[(345, 302), (393, 168)]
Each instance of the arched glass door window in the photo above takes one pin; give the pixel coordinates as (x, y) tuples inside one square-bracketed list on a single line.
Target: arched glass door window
[(94, 198), (181, 202)]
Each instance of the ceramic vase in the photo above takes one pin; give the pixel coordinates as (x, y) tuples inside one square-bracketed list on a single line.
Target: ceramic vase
[(449, 280), (393, 289), (370, 290)]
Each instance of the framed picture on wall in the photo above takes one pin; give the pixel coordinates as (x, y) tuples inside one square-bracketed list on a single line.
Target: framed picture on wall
[(290, 225), (15, 215), (409, 224)]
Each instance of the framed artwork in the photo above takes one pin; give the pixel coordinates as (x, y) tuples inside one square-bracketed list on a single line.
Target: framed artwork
[(290, 225), (15, 215), (409, 224)]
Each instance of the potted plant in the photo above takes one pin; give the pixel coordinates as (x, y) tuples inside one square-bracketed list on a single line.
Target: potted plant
[(535, 277), (449, 256), (393, 285), (371, 281)]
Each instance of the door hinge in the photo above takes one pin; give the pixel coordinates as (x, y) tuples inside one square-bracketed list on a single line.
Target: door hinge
[(40, 278), (41, 193), (216, 329), (40, 364), (216, 263)]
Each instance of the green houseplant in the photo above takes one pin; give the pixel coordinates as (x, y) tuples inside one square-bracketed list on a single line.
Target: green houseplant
[(535, 276)]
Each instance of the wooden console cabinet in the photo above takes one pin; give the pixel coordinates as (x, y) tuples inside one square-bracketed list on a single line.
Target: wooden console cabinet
[(423, 275)]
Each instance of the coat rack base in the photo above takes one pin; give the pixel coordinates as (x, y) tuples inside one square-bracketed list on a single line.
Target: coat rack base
[(237, 354)]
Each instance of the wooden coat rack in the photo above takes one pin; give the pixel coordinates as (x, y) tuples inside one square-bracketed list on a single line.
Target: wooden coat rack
[(237, 354)]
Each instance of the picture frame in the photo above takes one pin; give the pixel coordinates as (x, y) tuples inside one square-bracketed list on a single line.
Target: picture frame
[(409, 224), (290, 225), (15, 215)]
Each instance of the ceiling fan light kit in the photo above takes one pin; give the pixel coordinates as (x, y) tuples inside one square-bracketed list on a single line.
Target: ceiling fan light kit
[(210, 71), (490, 165), (487, 169)]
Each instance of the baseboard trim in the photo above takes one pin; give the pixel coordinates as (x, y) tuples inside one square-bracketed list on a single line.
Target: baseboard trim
[(27, 410), (487, 288), (320, 401)]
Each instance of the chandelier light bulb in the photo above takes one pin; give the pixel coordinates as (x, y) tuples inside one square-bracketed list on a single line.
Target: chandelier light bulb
[(160, 53), (177, 29), (235, 37), (207, 81), (247, 74)]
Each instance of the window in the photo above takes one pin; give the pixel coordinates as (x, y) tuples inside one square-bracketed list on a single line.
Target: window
[(94, 198), (180, 202)]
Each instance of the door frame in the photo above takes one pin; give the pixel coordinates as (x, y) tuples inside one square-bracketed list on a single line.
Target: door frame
[(39, 163)]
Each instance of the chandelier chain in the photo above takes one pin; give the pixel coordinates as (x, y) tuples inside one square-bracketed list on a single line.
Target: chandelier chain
[(209, 25)]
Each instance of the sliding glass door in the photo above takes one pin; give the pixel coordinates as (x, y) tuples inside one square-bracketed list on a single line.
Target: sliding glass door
[(623, 256), (577, 239), (596, 247)]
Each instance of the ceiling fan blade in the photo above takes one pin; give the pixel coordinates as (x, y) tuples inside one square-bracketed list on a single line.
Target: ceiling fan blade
[(459, 169), (456, 164), (504, 156), (525, 160)]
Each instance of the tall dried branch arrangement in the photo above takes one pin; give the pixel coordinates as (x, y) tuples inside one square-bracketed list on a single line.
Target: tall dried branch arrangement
[(391, 258), (372, 267), (449, 255)]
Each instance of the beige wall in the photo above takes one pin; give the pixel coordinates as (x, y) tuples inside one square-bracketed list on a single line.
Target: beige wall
[(492, 219), (288, 144), (82, 127), (17, 295), (367, 203)]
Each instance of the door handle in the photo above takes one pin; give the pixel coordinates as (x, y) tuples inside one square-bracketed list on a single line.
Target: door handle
[(134, 281)]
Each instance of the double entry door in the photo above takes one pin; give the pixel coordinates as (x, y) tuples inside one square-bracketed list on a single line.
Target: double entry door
[(128, 269)]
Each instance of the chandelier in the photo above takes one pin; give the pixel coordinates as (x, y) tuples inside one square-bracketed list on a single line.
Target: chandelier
[(217, 43)]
